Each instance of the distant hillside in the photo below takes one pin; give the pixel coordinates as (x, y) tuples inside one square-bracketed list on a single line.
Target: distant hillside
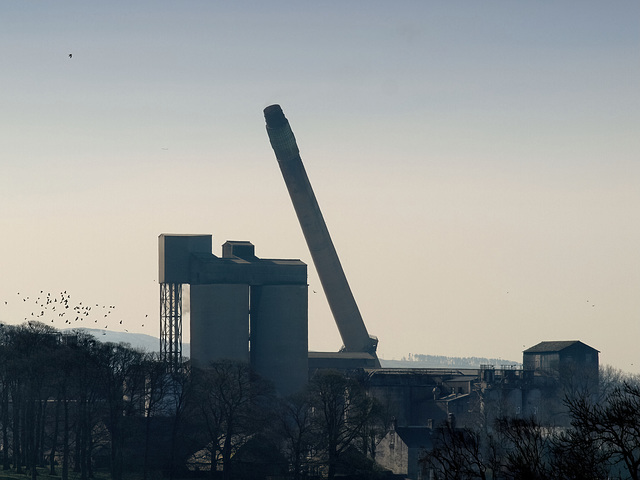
[(152, 344), (144, 342), (440, 361)]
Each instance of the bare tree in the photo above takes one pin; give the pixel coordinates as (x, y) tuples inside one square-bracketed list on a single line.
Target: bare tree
[(156, 380), (230, 398), (613, 425), (577, 455), (527, 448), (380, 418), (342, 410), (463, 454), (294, 424), (120, 369), (177, 402), (33, 344)]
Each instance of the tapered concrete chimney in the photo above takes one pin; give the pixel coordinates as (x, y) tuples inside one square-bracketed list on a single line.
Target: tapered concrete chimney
[(334, 282)]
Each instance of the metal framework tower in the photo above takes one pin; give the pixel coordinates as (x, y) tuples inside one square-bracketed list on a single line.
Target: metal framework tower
[(171, 325)]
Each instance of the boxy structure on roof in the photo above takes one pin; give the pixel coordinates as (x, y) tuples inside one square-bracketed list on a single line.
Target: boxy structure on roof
[(554, 357), (569, 360)]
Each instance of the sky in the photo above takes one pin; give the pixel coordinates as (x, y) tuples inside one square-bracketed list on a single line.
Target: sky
[(476, 162)]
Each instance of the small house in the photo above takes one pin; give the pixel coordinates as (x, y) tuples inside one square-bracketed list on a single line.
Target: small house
[(401, 449)]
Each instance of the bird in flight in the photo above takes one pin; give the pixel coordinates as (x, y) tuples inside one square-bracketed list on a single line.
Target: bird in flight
[(70, 55)]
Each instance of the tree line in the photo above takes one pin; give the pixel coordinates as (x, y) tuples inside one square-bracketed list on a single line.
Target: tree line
[(73, 404), (79, 407)]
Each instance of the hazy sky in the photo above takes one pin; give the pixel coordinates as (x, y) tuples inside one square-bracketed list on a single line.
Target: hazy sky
[(477, 163)]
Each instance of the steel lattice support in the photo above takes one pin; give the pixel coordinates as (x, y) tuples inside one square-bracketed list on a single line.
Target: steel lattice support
[(171, 325)]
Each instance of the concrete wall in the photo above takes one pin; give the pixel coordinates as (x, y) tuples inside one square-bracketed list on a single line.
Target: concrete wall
[(174, 255), (219, 323), (279, 335), (393, 454), (400, 451)]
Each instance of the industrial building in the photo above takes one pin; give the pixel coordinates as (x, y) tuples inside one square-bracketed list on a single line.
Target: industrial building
[(242, 307), (425, 399), (254, 310), (250, 309), (565, 359)]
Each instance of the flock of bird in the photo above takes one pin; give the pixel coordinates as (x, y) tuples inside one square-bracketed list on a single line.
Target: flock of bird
[(52, 308)]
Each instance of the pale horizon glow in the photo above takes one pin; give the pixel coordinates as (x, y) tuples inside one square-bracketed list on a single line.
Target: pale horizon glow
[(477, 163)]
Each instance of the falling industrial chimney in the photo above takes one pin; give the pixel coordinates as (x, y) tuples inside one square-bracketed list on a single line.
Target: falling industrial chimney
[(334, 282)]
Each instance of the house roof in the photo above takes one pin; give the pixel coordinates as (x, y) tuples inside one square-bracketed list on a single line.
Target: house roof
[(555, 346), (453, 397), (415, 437)]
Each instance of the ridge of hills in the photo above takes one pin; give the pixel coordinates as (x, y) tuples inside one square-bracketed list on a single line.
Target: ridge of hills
[(150, 343)]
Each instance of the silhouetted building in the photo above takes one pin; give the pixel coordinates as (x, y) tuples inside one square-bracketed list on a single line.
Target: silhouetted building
[(243, 308), (567, 360)]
